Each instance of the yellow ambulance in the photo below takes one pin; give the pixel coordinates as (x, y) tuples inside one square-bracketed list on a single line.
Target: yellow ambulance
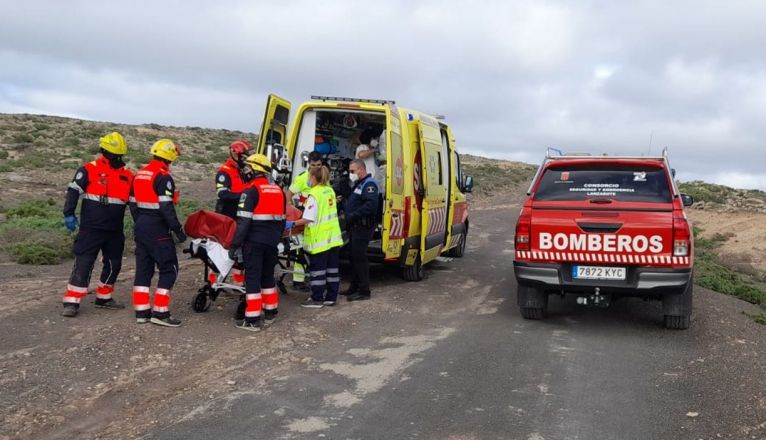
[(424, 208)]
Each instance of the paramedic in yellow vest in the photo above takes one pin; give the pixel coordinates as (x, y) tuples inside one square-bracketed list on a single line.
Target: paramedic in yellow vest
[(322, 240), (300, 188)]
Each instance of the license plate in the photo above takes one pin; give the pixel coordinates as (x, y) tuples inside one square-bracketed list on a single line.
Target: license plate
[(598, 273)]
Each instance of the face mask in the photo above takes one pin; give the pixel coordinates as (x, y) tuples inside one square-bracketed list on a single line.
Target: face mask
[(353, 177), (116, 162)]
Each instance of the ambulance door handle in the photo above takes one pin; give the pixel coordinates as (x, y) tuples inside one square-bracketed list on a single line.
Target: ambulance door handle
[(390, 203)]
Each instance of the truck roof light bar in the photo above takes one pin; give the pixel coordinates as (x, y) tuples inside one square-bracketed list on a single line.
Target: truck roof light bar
[(342, 99)]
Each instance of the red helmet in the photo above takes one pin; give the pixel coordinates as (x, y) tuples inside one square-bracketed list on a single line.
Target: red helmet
[(240, 147)]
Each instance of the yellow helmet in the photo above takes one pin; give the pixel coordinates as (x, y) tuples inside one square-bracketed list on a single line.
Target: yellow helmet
[(259, 163), (166, 149), (114, 143)]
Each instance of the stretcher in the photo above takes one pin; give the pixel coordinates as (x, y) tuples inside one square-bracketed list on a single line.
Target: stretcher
[(212, 234)]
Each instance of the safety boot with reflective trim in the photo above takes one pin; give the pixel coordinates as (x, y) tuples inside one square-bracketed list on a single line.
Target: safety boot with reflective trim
[(166, 322), (269, 316), (69, 311), (109, 304), (249, 326)]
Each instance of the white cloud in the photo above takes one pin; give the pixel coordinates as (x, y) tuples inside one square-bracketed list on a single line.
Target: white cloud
[(513, 77)]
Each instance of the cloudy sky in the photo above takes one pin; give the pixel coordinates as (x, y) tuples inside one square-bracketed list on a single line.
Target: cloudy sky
[(511, 77)]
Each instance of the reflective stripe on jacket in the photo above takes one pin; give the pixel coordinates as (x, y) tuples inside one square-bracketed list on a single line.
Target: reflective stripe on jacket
[(324, 233), (144, 194)]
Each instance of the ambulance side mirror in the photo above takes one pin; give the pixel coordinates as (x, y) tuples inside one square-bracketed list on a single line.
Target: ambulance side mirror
[(687, 200), (468, 184)]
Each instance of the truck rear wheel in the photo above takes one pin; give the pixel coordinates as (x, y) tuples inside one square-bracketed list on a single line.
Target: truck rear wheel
[(533, 302), (459, 250), (414, 272), (677, 308)]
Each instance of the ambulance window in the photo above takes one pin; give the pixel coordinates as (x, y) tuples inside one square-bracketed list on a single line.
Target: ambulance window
[(630, 184), (281, 114), (274, 137)]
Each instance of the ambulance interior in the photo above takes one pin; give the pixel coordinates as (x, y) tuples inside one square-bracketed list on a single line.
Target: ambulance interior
[(335, 134)]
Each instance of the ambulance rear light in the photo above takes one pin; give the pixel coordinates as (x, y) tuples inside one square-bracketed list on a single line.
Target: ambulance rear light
[(523, 228), (681, 237)]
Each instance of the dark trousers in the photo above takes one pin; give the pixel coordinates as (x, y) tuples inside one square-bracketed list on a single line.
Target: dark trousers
[(87, 245), (260, 284), (162, 254), (360, 239), (325, 275), (159, 253)]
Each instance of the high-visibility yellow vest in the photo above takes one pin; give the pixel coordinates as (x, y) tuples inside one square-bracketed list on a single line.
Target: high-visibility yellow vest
[(324, 232)]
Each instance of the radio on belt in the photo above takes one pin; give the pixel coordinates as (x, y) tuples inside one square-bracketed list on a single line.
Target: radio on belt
[(603, 228)]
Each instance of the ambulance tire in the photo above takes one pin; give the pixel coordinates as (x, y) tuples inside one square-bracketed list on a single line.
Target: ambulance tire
[(459, 250), (414, 272), (677, 308), (533, 302)]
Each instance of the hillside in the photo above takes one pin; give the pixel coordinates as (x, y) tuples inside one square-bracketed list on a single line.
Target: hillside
[(39, 153)]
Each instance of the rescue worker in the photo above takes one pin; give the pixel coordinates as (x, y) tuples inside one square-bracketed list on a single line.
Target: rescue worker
[(228, 181), (105, 186), (153, 202), (322, 240), (229, 186), (260, 222), (361, 212), (300, 188)]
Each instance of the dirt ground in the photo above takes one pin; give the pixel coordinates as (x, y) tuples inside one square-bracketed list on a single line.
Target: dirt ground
[(103, 376), (745, 236)]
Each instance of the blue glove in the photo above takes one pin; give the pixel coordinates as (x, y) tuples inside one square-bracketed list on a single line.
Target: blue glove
[(71, 222), (289, 224)]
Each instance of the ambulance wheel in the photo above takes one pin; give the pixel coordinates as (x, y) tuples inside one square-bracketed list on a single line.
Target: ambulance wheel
[(458, 250), (414, 272), (201, 302), (533, 302)]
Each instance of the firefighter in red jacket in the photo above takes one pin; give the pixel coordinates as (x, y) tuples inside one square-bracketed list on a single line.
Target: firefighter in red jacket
[(152, 205), (105, 186), (229, 186), (260, 222)]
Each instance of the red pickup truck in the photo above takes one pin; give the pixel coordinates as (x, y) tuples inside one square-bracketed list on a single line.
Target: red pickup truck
[(602, 228)]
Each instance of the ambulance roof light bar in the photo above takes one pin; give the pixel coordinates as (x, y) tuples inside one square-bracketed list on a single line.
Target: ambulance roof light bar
[(342, 99)]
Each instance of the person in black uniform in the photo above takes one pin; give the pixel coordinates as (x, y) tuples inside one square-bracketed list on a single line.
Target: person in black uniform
[(260, 222), (361, 212), (152, 206), (105, 187)]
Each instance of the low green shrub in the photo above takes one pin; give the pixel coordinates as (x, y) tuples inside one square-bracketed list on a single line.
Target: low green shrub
[(710, 273), (36, 253)]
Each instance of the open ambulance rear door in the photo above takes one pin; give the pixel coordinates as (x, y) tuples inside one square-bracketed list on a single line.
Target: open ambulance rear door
[(274, 125), (435, 181), (396, 207)]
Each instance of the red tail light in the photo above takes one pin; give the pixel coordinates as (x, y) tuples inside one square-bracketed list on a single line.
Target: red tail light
[(681, 237), (523, 228), (407, 216)]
